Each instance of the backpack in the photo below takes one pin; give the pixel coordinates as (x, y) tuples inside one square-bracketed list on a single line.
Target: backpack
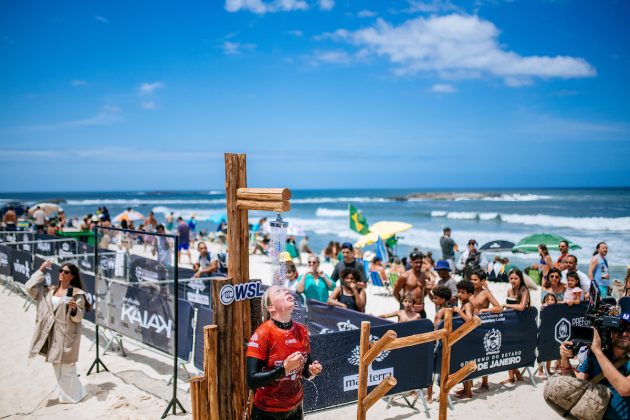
[(222, 270)]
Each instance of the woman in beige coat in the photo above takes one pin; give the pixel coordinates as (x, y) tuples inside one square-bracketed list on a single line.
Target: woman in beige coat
[(57, 333)]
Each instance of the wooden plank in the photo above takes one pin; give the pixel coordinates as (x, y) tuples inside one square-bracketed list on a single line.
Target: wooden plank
[(263, 194), (446, 363), (199, 397), (377, 348), (223, 320), (364, 344), (210, 367), (412, 340), (378, 392), (459, 376), (277, 206)]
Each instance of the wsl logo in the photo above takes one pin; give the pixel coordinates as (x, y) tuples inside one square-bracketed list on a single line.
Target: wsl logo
[(492, 341), (234, 293)]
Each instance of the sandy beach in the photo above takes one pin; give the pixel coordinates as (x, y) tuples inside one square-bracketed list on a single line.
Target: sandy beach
[(136, 386)]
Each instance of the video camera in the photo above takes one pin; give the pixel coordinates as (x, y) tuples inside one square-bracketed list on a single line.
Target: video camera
[(603, 313)]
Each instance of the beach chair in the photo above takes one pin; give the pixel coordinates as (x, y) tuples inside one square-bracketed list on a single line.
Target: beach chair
[(393, 278), (375, 279)]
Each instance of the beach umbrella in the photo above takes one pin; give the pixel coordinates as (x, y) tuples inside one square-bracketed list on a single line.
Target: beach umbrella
[(384, 229), (497, 246), (530, 243), (129, 216), (48, 208)]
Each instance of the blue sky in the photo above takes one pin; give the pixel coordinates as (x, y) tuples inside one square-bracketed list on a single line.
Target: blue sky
[(319, 93)]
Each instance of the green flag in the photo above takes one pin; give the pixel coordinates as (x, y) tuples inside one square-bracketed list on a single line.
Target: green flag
[(357, 221)]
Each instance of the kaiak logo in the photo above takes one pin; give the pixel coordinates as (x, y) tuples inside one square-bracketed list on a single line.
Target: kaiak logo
[(146, 320)]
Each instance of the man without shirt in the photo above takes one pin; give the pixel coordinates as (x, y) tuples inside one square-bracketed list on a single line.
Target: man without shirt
[(413, 281)]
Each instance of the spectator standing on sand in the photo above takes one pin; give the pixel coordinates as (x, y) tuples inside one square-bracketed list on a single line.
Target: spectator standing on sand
[(449, 247), (348, 261), (205, 265), (598, 268), (349, 295), (150, 224), (192, 225), (315, 284), (169, 221), (183, 243), (40, 219), (10, 219), (412, 282), (563, 246), (444, 273), (570, 265)]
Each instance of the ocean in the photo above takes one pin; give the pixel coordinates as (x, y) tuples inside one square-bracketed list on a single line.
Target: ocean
[(584, 216)]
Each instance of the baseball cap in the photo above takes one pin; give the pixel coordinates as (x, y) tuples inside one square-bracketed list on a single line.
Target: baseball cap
[(347, 245)]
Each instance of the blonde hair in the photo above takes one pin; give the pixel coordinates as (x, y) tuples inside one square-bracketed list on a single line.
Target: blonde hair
[(264, 305)]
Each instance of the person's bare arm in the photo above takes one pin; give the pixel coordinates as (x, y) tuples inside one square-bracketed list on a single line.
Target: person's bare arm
[(360, 299), (332, 299), (615, 378), (591, 268), (300, 286), (400, 283)]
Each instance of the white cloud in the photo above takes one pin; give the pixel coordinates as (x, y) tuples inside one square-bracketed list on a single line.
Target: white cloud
[(326, 4), (236, 48), (101, 19), (330, 57), (457, 46), (108, 115), (261, 7), (443, 88), (366, 13), (148, 105), (295, 33), (78, 82), (432, 6), (147, 88)]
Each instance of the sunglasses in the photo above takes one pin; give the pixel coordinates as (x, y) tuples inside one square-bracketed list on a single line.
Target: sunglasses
[(312, 262), (61, 270), (554, 276)]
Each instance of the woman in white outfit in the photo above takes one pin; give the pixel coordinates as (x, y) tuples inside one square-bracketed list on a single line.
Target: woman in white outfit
[(58, 326)]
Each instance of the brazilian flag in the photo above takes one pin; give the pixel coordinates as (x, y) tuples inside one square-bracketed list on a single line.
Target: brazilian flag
[(357, 221)]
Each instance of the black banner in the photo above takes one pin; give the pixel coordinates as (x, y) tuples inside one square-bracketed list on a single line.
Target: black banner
[(43, 246), (10, 236), (322, 318), (204, 317), (90, 294), (184, 329), (21, 265), (503, 341), (338, 352), (142, 312), (556, 322), (5, 257), (66, 248), (86, 260), (25, 237)]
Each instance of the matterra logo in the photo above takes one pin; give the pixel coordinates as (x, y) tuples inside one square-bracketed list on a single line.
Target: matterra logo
[(355, 355)]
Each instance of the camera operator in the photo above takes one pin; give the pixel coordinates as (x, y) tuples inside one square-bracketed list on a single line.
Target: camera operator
[(598, 360)]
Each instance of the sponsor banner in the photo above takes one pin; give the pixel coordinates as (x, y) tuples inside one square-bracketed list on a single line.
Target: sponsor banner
[(144, 313), (198, 291), (107, 267), (556, 322), (322, 318), (21, 265), (43, 247), (5, 256), (86, 261), (146, 270), (66, 248), (338, 352), (185, 313), (25, 237), (503, 341), (204, 317), (90, 295), (10, 236)]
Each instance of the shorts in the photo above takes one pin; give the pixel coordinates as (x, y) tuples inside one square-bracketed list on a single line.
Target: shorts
[(295, 414), (183, 246)]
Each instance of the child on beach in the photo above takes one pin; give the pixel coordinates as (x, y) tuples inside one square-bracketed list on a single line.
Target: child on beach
[(441, 296), (406, 313), (573, 293), (550, 299), (518, 300), (482, 299), (465, 291)]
